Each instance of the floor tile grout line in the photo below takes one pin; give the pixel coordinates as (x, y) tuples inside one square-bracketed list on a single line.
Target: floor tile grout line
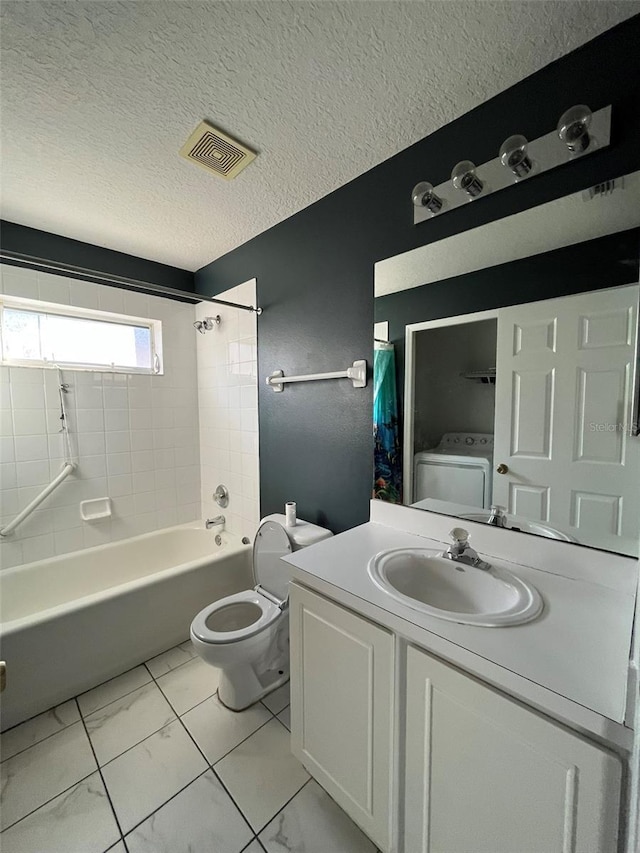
[(113, 701), (240, 742), (95, 758), (283, 807), (169, 702), (42, 740), (39, 714), (75, 698), (173, 668), (162, 805), (233, 800), (46, 802), (236, 804), (210, 766), (142, 740), (113, 678)]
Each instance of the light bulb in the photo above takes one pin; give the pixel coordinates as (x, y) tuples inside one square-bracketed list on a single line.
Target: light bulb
[(423, 195), (514, 155), (573, 128), (464, 178)]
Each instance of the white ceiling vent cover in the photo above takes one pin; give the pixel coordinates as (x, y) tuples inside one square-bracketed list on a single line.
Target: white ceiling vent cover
[(216, 152)]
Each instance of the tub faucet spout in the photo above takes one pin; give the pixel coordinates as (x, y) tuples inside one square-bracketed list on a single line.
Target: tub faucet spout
[(214, 522)]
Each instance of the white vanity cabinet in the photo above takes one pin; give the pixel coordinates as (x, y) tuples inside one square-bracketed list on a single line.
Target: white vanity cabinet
[(475, 771), (485, 774), (342, 707)]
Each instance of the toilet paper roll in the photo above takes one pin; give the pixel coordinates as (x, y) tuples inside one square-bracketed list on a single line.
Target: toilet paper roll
[(290, 513)]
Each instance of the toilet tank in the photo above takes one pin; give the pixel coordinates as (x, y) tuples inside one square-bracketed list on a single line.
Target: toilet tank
[(303, 534)]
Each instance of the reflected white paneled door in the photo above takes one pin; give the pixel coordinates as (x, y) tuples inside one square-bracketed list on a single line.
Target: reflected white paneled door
[(342, 708), (486, 775), (564, 399)]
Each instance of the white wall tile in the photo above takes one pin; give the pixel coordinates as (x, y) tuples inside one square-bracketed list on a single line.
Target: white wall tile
[(227, 396), (118, 463), (118, 442), (131, 432), (33, 473), (31, 448), (29, 422), (29, 396)]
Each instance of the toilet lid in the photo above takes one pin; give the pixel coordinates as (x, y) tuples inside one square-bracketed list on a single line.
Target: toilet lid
[(271, 543)]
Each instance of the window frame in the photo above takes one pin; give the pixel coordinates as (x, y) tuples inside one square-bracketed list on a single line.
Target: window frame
[(40, 307)]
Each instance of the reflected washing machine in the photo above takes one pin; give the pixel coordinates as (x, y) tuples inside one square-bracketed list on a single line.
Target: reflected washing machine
[(458, 470)]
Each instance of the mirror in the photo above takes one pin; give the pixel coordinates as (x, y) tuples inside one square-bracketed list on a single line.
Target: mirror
[(506, 372)]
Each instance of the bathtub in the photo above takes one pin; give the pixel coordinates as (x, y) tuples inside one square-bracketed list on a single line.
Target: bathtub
[(71, 622)]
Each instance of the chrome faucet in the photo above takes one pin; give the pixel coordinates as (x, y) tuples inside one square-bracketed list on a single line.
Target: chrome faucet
[(214, 522), (497, 517), (461, 552)]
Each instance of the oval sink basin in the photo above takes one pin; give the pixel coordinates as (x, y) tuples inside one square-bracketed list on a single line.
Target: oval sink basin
[(424, 580)]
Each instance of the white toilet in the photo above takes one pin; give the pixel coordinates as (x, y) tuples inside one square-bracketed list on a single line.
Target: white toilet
[(246, 635)]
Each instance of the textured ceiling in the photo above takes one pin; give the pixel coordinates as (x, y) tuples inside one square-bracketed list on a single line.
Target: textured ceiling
[(98, 97)]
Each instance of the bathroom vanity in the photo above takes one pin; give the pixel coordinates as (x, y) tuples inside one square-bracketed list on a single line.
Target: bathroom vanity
[(439, 736)]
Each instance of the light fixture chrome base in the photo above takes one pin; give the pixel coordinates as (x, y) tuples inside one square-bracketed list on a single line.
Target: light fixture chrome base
[(547, 152)]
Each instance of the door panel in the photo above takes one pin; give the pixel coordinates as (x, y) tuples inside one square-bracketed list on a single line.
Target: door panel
[(565, 374)]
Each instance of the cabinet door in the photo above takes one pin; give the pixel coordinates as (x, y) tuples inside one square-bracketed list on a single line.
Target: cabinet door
[(342, 707), (486, 775)]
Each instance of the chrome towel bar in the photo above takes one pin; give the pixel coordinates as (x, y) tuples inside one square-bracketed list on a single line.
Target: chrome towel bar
[(357, 373)]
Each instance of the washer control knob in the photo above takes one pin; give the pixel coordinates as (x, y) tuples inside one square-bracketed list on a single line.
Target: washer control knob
[(469, 440)]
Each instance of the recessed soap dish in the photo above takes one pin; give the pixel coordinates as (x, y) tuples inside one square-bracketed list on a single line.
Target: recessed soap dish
[(95, 509)]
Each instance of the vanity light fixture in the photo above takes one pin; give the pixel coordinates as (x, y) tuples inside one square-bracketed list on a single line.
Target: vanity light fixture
[(464, 178), (514, 155), (573, 128), (579, 133), (423, 195)]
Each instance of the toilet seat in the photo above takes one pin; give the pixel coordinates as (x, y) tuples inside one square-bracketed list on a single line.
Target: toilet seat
[(268, 613)]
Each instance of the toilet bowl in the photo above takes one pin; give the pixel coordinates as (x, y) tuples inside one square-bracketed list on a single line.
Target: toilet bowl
[(246, 635)]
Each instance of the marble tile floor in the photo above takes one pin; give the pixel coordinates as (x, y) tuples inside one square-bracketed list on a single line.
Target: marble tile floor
[(152, 762)]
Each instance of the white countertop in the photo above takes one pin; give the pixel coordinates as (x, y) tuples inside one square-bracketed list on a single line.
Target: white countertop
[(578, 647)]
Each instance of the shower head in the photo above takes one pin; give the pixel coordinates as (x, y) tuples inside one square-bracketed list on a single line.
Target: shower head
[(207, 324)]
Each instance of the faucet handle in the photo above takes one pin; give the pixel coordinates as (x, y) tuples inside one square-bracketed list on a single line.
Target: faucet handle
[(459, 535)]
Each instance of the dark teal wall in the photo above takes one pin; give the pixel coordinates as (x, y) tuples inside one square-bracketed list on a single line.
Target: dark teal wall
[(35, 244), (315, 270)]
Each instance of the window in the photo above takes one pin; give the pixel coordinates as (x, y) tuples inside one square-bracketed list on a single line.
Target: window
[(39, 334)]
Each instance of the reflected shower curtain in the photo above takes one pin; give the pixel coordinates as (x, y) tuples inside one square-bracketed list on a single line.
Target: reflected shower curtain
[(387, 475)]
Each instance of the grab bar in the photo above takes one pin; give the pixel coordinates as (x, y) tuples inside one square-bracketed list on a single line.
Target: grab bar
[(357, 374), (35, 503)]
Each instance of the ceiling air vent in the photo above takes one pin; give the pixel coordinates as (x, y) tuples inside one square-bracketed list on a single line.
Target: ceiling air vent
[(216, 152)]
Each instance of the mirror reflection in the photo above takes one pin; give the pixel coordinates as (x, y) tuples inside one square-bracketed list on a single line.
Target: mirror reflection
[(523, 416)]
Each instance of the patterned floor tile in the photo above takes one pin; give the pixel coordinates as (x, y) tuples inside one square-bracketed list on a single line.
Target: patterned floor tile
[(200, 819), (127, 721), (261, 774), (144, 778)]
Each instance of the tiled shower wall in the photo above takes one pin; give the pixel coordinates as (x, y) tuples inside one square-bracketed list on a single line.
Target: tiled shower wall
[(228, 402), (136, 435)]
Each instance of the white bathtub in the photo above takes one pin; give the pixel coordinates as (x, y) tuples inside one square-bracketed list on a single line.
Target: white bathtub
[(71, 622)]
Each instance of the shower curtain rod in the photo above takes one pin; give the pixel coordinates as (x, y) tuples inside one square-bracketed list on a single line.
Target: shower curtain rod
[(40, 264)]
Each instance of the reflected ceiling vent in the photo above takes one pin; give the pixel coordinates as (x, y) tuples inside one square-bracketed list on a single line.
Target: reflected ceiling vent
[(216, 152), (603, 189)]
